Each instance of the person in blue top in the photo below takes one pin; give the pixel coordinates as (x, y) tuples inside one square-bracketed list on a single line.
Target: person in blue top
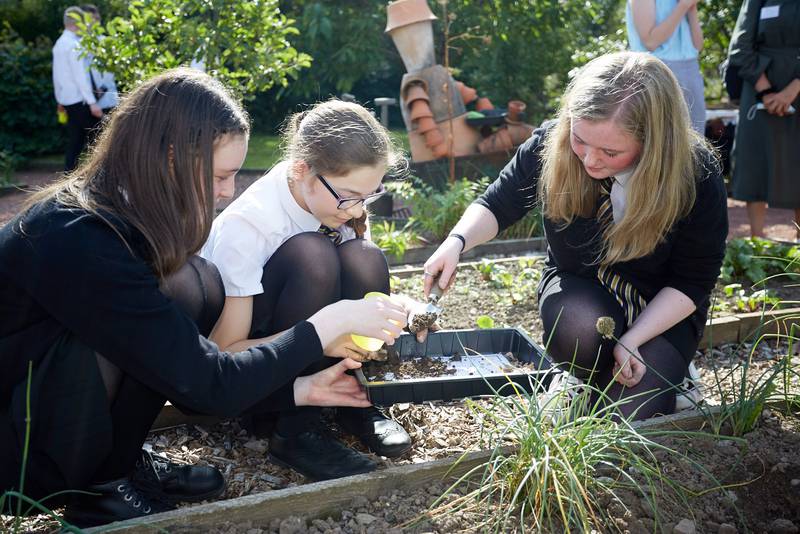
[(670, 30)]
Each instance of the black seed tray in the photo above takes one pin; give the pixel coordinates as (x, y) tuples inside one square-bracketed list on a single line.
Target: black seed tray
[(458, 343)]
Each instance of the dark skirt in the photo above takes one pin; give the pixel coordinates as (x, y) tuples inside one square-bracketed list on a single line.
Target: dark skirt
[(70, 423), (766, 155)]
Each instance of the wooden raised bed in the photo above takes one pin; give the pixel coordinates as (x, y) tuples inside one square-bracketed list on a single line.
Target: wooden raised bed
[(321, 499), (506, 247)]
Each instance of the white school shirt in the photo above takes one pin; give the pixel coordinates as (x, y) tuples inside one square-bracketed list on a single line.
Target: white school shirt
[(619, 194), (249, 231), (70, 72)]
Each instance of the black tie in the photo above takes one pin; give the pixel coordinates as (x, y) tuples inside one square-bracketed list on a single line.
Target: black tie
[(628, 296)]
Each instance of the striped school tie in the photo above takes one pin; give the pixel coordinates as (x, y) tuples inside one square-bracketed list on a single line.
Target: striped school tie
[(334, 235), (628, 296)]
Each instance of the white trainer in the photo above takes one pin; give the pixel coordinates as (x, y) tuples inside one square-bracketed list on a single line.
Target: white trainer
[(690, 391)]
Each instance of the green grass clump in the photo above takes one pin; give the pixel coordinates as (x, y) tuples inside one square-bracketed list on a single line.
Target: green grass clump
[(559, 473)]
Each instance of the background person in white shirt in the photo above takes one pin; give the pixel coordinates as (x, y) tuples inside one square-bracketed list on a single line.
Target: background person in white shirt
[(73, 88), (103, 83)]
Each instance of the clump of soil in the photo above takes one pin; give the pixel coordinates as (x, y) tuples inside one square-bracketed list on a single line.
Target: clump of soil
[(421, 321)]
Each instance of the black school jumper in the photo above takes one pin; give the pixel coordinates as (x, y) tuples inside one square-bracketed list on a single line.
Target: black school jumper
[(69, 287), (689, 258)]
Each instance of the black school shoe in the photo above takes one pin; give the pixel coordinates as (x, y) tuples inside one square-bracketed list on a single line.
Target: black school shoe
[(317, 455), (179, 482), (381, 435), (116, 500)]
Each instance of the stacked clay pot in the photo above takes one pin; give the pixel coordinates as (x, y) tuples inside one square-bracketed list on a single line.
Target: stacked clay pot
[(417, 100)]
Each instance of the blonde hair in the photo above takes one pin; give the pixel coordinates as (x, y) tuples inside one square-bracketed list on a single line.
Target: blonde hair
[(335, 137), (641, 95)]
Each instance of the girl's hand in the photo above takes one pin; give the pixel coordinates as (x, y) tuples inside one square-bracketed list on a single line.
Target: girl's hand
[(331, 387), (343, 347), (444, 261), (629, 367), (372, 317)]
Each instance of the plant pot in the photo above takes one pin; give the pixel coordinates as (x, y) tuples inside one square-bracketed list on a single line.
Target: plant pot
[(515, 109), (415, 92), (440, 150), (519, 133), (419, 109), (468, 94), (483, 104), (425, 125), (499, 141), (409, 24), (433, 138)]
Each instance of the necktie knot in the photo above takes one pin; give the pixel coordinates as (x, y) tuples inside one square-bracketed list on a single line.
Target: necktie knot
[(333, 235)]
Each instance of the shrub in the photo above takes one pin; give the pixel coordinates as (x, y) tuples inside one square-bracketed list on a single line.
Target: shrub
[(27, 106), (754, 259), (436, 212)]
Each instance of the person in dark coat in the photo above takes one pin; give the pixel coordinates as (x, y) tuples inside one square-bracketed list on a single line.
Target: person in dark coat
[(105, 313), (766, 153)]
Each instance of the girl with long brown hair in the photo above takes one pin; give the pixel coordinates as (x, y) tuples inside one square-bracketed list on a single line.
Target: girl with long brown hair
[(102, 298), (635, 217)]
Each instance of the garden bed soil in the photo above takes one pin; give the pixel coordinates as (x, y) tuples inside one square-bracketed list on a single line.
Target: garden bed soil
[(749, 485)]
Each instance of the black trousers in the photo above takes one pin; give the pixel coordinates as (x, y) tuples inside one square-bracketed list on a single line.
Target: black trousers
[(305, 274), (78, 436), (80, 124), (570, 306)]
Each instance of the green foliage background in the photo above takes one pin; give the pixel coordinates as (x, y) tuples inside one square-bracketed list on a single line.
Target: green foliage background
[(523, 49), (27, 109)]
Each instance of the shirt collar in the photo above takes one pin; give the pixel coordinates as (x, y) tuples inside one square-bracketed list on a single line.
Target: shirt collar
[(622, 177), (305, 220)]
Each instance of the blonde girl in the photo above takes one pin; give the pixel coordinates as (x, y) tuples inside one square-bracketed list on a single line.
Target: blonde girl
[(635, 217)]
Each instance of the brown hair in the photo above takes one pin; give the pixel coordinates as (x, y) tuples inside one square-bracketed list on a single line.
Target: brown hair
[(335, 137), (641, 95), (152, 164)]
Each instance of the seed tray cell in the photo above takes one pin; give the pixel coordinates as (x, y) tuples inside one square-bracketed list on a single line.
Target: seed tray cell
[(469, 363)]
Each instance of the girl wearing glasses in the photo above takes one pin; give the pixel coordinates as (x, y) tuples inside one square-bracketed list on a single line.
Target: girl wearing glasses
[(293, 243)]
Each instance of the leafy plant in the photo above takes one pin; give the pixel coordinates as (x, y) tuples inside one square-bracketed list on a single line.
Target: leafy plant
[(485, 322), (243, 43), (486, 268), (437, 211), (755, 259), (391, 240), (740, 300)]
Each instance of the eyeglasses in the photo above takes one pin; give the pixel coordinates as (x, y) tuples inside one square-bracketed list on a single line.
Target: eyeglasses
[(347, 203)]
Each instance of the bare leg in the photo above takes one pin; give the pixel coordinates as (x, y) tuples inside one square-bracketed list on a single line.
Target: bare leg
[(756, 212)]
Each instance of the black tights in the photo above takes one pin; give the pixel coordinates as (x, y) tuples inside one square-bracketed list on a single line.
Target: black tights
[(569, 307), (197, 289), (304, 275)]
